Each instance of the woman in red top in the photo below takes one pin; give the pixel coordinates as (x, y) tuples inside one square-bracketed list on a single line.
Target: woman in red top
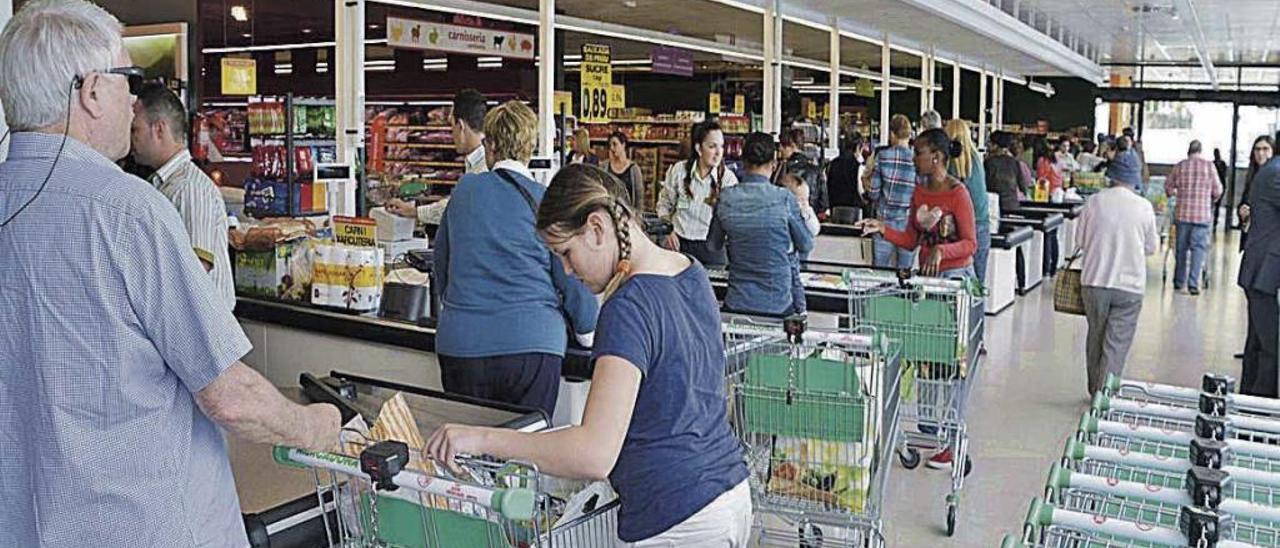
[(941, 221), (1046, 169)]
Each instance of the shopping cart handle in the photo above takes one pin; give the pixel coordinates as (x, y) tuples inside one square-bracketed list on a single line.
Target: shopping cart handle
[(1011, 541), (512, 503)]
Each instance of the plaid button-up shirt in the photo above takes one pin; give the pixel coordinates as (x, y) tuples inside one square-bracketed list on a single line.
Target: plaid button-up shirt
[(893, 182), (1195, 183)]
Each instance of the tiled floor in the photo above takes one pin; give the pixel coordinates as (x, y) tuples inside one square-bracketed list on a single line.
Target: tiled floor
[(1031, 394)]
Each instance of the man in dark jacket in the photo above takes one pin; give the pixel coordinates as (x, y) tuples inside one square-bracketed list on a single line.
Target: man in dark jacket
[(796, 162), (842, 175), (1260, 279)]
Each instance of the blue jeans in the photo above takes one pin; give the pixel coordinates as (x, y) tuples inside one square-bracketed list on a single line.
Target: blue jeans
[(891, 256), (980, 256), (1193, 238)]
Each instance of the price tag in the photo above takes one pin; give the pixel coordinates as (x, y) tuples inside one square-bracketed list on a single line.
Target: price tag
[(597, 81), (713, 103), (617, 97)]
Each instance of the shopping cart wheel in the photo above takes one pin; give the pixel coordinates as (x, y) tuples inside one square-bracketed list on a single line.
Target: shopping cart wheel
[(968, 466), (951, 520), (810, 536), (909, 457)]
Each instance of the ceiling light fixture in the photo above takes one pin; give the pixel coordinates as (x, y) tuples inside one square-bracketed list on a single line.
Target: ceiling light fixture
[(306, 31), (239, 13)]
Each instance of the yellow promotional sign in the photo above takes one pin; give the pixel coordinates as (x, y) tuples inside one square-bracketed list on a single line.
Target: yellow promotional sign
[(617, 97), (826, 111), (813, 110), (740, 104), (239, 76), (562, 103), (355, 231), (713, 103), (597, 80)]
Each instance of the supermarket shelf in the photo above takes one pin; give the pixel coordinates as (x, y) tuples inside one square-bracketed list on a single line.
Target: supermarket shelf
[(428, 126), (427, 164), (669, 122), (643, 141), (433, 146)]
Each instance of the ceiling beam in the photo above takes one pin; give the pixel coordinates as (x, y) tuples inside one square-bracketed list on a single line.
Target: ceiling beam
[(1192, 22)]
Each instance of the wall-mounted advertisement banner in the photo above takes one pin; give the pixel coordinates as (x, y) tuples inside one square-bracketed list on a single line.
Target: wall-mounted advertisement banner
[(674, 61), (426, 35), (239, 76)]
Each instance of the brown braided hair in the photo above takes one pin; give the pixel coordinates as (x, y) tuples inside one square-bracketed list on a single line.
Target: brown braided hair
[(575, 193)]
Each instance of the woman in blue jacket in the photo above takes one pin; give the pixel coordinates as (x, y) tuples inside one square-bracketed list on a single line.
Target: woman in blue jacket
[(656, 422), (505, 300)]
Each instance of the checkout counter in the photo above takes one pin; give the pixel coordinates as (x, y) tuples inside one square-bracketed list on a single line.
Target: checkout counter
[(843, 244), (1032, 264), (1002, 265), (1067, 235)]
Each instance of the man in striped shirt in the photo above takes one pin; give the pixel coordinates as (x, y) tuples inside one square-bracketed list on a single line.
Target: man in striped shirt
[(159, 137), (1194, 182)]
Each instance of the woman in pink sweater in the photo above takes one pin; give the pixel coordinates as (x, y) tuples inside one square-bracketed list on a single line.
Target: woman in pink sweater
[(941, 221)]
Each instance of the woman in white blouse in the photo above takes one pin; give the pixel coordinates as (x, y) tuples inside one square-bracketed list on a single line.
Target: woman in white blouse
[(689, 193)]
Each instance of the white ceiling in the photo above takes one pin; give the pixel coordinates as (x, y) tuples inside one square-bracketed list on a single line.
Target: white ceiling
[(1235, 31)]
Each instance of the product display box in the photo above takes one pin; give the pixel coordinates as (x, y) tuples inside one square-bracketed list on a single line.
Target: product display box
[(280, 273)]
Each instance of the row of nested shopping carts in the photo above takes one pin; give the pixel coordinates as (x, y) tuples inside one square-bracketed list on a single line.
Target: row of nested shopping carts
[(821, 414), (1159, 466)]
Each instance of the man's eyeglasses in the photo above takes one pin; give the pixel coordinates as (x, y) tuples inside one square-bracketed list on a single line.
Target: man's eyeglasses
[(136, 76)]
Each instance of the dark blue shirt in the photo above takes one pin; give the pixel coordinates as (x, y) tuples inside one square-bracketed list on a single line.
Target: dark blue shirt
[(679, 454), (501, 293), (763, 228)]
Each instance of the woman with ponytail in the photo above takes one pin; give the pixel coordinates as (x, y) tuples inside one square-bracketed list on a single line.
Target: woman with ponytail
[(690, 191), (967, 166), (941, 220), (656, 420)]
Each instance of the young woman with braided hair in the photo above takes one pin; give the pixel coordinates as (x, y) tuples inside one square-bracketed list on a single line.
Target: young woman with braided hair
[(656, 421), (690, 191)]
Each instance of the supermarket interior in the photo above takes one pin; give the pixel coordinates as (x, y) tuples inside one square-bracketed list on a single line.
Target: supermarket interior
[(589, 273)]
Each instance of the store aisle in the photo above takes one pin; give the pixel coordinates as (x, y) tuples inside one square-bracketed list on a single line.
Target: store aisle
[(1032, 393)]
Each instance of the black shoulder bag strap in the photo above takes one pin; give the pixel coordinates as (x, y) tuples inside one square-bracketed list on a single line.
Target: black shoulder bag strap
[(528, 198)]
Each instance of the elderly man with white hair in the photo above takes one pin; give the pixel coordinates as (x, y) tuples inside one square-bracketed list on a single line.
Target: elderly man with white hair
[(118, 362)]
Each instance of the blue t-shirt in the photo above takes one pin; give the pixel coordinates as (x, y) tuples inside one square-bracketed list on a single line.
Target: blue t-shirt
[(679, 454)]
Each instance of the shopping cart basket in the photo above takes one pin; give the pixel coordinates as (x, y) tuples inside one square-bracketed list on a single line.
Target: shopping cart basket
[(1050, 526), (816, 412), (939, 324), (1215, 386), (380, 503)]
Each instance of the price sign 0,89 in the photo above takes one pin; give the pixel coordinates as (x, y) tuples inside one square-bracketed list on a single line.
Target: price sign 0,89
[(597, 79)]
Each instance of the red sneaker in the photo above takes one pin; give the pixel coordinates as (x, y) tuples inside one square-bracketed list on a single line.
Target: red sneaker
[(942, 460)]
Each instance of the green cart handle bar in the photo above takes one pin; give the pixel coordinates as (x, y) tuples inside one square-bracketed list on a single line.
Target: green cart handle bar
[(512, 503)]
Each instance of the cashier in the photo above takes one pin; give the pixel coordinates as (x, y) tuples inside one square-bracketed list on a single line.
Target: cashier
[(160, 135), (506, 304), (469, 108)]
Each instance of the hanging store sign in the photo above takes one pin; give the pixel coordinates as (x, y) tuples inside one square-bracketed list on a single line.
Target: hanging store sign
[(426, 35), (863, 87), (239, 76), (562, 103), (597, 80), (713, 103), (740, 104), (667, 60), (617, 97)]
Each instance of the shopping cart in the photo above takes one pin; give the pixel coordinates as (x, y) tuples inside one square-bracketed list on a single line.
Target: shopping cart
[(1214, 386), (503, 504), (817, 413), (1169, 236), (939, 324), (1050, 526)]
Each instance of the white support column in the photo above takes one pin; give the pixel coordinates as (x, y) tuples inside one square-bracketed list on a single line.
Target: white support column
[(955, 89), (999, 108), (885, 58), (6, 11), (547, 78), (833, 121), (933, 79), (772, 67), (924, 80), (982, 108), (349, 79)]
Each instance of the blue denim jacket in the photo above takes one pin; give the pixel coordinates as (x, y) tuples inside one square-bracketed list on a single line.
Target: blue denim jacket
[(762, 227)]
